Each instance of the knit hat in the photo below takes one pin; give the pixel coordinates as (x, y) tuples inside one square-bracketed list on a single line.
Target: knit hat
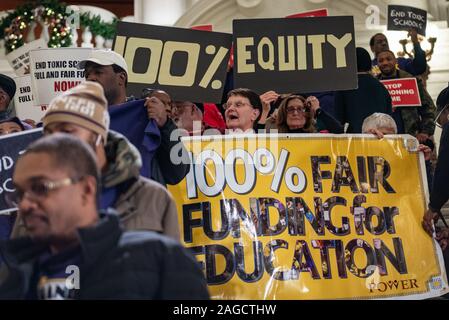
[(84, 105), (363, 60)]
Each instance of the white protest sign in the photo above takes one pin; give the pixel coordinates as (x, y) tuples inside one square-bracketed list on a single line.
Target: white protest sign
[(53, 71), (24, 102), (19, 59)]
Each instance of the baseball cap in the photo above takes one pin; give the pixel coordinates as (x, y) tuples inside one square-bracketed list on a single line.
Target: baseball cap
[(104, 58)]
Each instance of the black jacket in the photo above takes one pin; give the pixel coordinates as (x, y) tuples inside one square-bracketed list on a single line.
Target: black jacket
[(163, 170), (115, 265), (440, 190), (353, 106)]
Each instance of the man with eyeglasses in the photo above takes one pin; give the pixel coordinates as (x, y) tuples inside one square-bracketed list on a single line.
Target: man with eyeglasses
[(189, 117), (73, 252), (242, 110), (440, 190), (141, 204)]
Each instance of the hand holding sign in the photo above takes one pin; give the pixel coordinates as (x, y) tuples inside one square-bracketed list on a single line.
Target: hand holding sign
[(156, 110), (443, 237), (313, 103), (267, 98), (413, 34)]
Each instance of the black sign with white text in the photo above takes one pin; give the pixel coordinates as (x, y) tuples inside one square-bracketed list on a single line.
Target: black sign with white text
[(295, 55), (405, 18), (11, 146), (188, 64)]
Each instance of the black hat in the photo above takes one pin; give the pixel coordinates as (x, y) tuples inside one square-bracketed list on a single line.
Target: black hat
[(443, 99), (8, 84), (363, 60), (14, 119)]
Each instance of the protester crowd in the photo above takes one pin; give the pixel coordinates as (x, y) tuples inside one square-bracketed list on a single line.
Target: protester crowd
[(100, 201)]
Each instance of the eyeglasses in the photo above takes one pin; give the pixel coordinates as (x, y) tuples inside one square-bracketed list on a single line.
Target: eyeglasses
[(238, 104), (437, 123), (292, 110), (38, 189)]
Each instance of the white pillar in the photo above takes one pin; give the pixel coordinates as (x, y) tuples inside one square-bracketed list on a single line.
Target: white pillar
[(421, 4), (138, 11), (158, 12)]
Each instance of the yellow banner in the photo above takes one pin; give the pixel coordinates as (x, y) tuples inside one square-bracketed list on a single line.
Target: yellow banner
[(309, 217)]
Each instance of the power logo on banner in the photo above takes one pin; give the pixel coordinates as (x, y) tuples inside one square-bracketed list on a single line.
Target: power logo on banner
[(405, 18), (309, 217), (403, 92), (188, 64), (295, 55)]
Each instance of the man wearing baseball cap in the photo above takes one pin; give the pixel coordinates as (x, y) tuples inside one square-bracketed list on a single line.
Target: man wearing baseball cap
[(7, 91), (141, 203), (109, 69)]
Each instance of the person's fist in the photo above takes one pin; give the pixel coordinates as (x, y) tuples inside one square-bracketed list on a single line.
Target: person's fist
[(442, 238), (156, 110), (313, 103), (428, 220), (267, 98), (413, 34), (426, 151)]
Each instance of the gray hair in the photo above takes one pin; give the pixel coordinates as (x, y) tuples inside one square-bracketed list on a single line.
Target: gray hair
[(378, 120)]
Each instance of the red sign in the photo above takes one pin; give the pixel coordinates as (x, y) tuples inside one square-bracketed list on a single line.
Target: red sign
[(313, 13), (205, 27), (403, 92)]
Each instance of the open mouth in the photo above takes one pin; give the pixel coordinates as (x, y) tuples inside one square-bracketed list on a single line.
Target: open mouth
[(233, 117)]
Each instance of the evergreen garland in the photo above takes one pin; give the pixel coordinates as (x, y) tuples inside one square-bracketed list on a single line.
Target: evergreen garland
[(52, 13)]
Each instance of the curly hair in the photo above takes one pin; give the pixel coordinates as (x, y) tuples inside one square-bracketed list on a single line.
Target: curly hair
[(281, 121)]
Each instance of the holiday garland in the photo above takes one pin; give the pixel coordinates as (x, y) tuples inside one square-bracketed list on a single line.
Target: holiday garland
[(54, 14)]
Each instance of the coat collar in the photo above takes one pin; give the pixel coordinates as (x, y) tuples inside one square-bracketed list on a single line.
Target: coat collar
[(94, 241)]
